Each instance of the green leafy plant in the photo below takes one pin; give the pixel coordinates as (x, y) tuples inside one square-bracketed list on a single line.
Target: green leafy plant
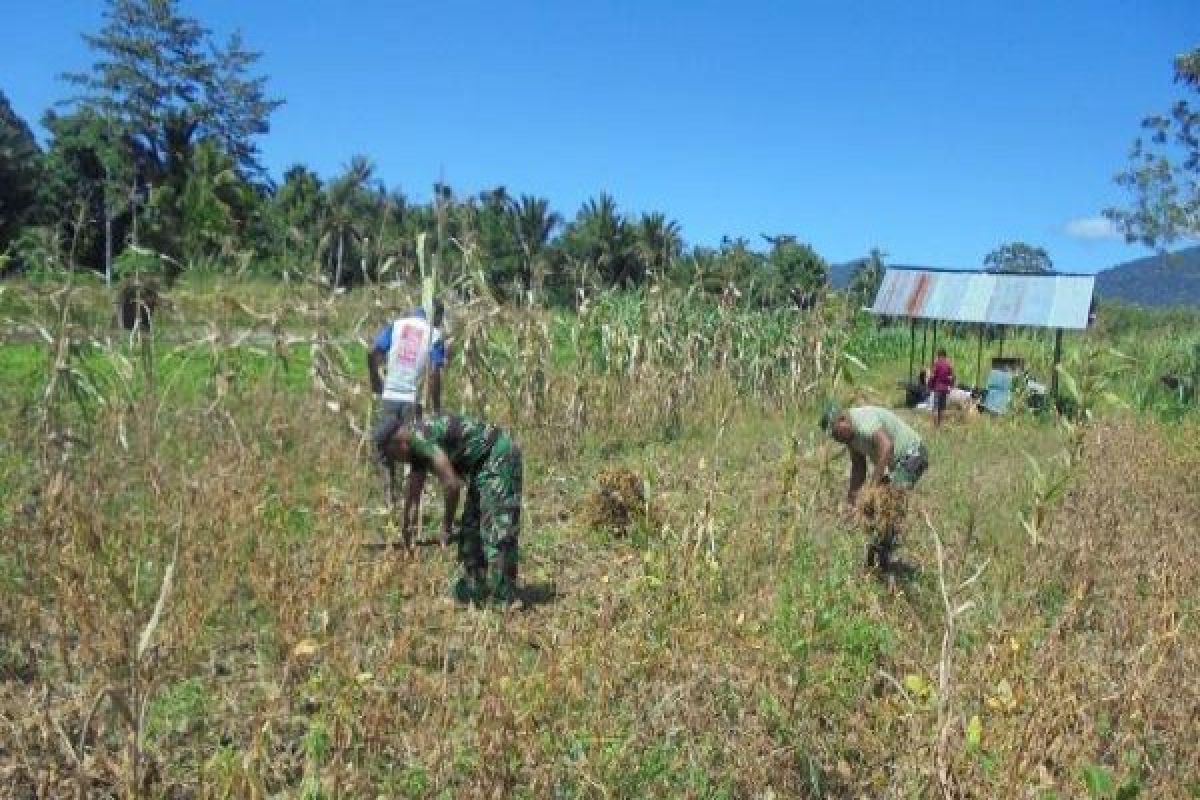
[(1101, 784), (1090, 379), (137, 264), (1046, 488)]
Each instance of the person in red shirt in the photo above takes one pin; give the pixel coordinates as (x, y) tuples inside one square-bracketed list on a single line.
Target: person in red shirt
[(941, 381)]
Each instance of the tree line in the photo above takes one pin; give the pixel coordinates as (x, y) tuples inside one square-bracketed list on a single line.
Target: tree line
[(152, 164)]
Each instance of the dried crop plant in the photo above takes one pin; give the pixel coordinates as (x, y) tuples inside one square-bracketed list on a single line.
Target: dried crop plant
[(948, 718), (104, 611), (194, 615), (1091, 679)]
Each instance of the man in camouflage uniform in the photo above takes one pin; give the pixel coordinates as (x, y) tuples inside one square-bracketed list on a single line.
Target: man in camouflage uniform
[(484, 458)]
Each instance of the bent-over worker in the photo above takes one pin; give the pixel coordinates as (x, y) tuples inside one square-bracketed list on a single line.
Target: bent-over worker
[(484, 458), (895, 451)]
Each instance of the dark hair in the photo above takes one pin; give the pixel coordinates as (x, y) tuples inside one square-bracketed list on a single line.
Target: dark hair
[(439, 312), (829, 415), (941, 352)]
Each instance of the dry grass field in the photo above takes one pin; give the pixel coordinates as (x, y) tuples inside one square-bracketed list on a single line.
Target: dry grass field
[(194, 607)]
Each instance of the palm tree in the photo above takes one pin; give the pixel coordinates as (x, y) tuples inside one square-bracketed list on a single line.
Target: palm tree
[(210, 203), (497, 239), (298, 210), (534, 225), (343, 219), (388, 244), (659, 241), (600, 237)]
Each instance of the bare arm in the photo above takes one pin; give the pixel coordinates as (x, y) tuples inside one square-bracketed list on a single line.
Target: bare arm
[(858, 476), (883, 455), (374, 363), (412, 501), (452, 484), (449, 514)]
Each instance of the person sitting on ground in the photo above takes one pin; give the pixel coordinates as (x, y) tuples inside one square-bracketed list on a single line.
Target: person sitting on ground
[(409, 349), (484, 458), (893, 448), (918, 391), (941, 381)]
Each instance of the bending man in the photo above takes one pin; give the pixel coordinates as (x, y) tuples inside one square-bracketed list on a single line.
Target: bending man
[(895, 451), (484, 458), (877, 435)]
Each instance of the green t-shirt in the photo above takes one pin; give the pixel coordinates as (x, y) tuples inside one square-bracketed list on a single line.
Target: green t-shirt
[(866, 421), (465, 441)]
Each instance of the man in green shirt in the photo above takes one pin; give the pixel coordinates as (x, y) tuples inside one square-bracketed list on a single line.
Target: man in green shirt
[(895, 451), (877, 435), (484, 458)]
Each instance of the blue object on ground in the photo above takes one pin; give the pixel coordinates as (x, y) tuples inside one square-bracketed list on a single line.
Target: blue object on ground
[(998, 395)]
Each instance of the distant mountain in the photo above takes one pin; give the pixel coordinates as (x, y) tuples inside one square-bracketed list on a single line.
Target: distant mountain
[(840, 274), (1169, 279)]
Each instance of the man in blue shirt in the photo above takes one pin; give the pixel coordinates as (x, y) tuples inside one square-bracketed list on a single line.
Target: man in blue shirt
[(403, 353)]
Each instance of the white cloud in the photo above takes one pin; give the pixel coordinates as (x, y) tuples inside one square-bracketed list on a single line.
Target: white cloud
[(1092, 229)]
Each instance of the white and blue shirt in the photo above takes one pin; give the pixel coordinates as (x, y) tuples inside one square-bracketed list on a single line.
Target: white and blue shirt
[(411, 344)]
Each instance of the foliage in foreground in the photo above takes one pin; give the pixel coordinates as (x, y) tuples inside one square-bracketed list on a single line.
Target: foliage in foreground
[(193, 613)]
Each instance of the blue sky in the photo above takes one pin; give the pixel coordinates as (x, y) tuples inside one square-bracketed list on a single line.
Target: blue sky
[(933, 130)]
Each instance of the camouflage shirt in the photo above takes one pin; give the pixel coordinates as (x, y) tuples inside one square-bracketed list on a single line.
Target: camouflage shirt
[(466, 442)]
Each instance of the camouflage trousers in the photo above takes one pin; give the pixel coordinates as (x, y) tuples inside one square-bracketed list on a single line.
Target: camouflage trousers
[(491, 526)]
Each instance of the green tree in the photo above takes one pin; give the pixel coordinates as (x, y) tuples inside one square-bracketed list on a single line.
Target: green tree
[(1018, 257), (799, 272), (387, 247), (535, 224), (497, 239), (213, 205), (19, 172), (201, 216), (658, 242), (346, 211), (161, 74), (85, 181), (296, 212), (733, 265), (1164, 170), (867, 277), (600, 239), (38, 248), (168, 86)]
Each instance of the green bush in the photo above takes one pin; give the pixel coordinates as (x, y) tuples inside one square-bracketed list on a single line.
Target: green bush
[(137, 264)]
